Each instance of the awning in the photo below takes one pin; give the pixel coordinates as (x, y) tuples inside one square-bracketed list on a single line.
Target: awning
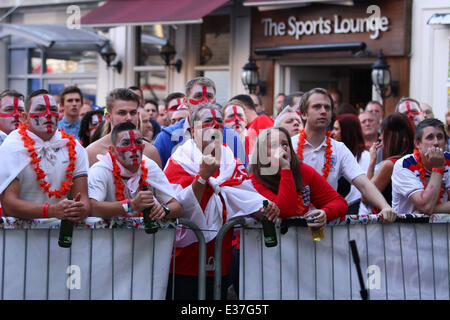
[(439, 18), (56, 37), (285, 3), (146, 12)]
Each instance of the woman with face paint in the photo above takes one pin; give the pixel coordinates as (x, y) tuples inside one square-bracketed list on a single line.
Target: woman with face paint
[(90, 121), (212, 186), (116, 180), (40, 166)]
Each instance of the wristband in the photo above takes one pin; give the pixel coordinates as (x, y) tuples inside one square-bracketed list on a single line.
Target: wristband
[(45, 210), (126, 205), (200, 179), (438, 170)]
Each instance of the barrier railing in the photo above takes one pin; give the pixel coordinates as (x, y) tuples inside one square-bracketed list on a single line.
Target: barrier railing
[(108, 259), (402, 260)]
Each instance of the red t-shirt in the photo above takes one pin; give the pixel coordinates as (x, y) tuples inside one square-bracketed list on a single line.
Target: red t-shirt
[(253, 128), (316, 190)]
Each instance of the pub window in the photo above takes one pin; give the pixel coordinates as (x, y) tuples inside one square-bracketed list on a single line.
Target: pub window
[(214, 60), (151, 73)]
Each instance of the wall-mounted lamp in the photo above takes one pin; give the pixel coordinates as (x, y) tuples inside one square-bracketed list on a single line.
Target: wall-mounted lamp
[(109, 55), (381, 78), (167, 54), (250, 77)]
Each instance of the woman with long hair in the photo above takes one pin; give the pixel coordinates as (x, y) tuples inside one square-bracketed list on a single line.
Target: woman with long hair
[(347, 129), (397, 140), (89, 123), (279, 175)]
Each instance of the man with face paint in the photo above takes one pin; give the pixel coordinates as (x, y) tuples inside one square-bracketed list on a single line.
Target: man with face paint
[(411, 108), (255, 122), (126, 155), (234, 117), (40, 166), (121, 106), (212, 186), (12, 112), (198, 90)]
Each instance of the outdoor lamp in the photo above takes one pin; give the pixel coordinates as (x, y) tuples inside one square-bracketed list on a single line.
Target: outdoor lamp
[(167, 53), (381, 77), (108, 55), (250, 76)]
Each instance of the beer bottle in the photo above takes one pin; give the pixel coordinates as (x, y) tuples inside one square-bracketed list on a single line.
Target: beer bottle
[(65, 232), (270, 234), (149, 225)]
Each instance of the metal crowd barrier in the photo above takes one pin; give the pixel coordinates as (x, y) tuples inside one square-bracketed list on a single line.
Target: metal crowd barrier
[(108, 259), (409, 259)]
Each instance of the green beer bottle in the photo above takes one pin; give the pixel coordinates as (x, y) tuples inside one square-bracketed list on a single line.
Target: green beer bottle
[(65, 232), (150, 226), (270, 234)]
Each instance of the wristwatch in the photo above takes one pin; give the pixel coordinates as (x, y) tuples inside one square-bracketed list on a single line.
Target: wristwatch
[(166, 209)]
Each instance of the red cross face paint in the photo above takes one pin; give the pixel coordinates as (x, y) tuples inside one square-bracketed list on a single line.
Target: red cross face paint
[(412, 111), (174, 104), (208, 127), (43, 115), (11, 112), (130, 148), (234, 118), (201, 94), (96, 119)]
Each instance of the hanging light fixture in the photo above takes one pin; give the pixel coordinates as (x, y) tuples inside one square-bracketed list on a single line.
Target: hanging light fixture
[(250, 75), (381, 78), (167, 53), (109, 55)]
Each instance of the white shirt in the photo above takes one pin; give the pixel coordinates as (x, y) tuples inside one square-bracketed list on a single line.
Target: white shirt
[(54, 159), (343, 162), (2, 137), (354, 194), (406, 182), (101, 183)]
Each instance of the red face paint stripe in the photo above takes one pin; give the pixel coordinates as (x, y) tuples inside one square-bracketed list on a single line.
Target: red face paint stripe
[(15, 113), (215, 124), (133, 147), (236, 118), (47, 112), (203, 99)]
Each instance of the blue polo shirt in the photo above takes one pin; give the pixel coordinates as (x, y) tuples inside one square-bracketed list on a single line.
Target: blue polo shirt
[(69, 127)]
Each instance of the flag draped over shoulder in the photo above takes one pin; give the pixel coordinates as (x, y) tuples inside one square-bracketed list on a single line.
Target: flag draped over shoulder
[(231, 184)]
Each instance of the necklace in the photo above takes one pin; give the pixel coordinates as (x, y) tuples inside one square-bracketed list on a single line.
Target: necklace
[(327, 166), (35, 162), (120, 187)]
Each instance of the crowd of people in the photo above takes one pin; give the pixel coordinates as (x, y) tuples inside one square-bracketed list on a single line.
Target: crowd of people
[(190, 157)]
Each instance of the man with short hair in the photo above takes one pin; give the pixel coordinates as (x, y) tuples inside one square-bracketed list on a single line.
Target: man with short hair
[(315, 147), (258, 104), (111, 196), (369, 127), (11, 112), (213, 186), (198, 90), (411, 108), (40, 166), (376, 108), (136, 90), (293, 100), (421, 181), (173, 101), (151, 107), (427, 111), (290, 120), (121, 106), (255, 123), (279, 103), (71, 101)]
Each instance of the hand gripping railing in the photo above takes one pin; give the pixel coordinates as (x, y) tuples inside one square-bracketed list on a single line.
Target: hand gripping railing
[(201, 256), (218, 254)]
